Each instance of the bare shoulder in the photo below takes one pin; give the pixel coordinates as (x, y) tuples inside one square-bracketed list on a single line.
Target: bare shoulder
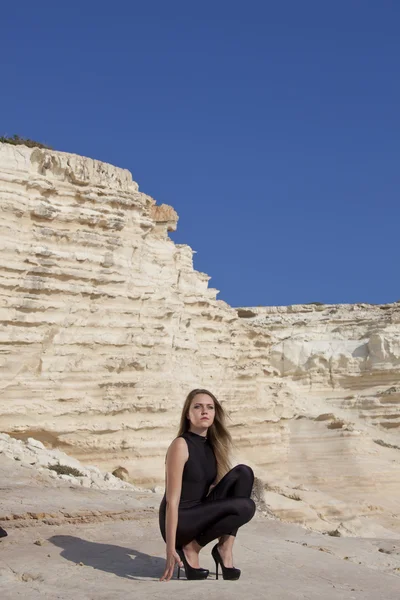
[(178, 449)]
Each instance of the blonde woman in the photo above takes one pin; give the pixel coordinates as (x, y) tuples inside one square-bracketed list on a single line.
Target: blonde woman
[(203, 500)]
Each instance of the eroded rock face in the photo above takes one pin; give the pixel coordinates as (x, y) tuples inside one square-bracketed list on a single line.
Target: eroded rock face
[(105, 326)]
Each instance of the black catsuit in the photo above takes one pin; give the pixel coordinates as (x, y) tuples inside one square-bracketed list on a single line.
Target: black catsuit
[(227, 507)]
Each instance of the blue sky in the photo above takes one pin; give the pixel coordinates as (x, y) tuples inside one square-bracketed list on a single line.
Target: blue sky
[(272, 128)]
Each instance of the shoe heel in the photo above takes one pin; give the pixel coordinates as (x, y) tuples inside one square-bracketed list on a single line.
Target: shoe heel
[(190, 572), (227, 572)]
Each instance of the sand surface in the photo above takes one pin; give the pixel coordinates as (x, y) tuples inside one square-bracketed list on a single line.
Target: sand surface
[(68, 543)]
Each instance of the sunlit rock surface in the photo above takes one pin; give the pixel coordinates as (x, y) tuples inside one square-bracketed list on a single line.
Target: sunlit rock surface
[(105, 326)]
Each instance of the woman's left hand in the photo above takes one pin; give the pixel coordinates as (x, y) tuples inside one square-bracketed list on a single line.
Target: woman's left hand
[(172, 559)]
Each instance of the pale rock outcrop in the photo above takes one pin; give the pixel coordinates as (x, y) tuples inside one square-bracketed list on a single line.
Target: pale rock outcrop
[(105, 326), (34, 453), (164, 215)]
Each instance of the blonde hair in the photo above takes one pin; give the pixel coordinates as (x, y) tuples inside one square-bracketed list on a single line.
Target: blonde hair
[(218, 434)]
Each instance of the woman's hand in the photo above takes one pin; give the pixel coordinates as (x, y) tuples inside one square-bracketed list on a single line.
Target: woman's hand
[(172, 560)]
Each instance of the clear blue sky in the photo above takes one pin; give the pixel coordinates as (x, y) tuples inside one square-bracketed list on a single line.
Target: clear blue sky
[(272, 127)]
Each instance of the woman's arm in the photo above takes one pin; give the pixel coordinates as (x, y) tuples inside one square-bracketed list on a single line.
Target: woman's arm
[(177, 456)]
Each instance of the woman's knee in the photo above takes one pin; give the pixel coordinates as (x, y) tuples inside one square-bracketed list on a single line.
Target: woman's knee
[(251, 508), (246, 508), (244, 470)]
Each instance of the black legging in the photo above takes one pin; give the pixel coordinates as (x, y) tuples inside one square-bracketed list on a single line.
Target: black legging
[(227, 507)]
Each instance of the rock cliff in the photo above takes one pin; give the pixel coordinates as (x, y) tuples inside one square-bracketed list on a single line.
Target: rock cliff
[(105, 326)]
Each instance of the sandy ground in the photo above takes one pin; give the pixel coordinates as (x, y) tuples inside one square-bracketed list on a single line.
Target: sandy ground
[(69, 543), (124, 559)]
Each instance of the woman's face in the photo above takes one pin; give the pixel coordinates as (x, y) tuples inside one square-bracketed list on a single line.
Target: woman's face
[(202, 411)]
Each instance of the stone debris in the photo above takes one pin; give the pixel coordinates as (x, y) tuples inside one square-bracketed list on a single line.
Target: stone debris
[(33, 453)]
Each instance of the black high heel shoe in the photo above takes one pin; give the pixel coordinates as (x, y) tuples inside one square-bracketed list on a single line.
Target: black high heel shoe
[(227, 572), (190, 572)]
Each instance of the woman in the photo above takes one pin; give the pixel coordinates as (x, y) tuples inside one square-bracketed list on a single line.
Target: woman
[(203, 500)]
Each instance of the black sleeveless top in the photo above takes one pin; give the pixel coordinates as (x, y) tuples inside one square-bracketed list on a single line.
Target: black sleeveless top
[(199, 472)]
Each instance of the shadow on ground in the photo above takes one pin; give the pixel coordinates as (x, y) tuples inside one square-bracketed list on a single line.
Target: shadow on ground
[(124, 562)]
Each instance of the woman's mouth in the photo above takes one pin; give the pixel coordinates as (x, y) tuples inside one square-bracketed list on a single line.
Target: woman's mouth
[(204, 418)]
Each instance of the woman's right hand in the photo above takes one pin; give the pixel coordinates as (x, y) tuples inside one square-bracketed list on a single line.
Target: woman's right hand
[(172, 560)]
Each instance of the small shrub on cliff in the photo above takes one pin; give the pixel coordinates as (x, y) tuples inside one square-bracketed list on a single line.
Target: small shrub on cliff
[(16, 140), (333, 533), (257, 493), (336, 424), (65, 470), (292, 496)]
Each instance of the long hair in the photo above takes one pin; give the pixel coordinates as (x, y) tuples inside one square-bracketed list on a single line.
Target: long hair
[(218, 434)]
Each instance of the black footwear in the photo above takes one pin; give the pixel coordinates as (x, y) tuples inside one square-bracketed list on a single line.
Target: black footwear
[(3, 532), (227, 572), (191, 572)]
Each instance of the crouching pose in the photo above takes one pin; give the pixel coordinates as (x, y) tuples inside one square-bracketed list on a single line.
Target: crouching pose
[(203, 500)]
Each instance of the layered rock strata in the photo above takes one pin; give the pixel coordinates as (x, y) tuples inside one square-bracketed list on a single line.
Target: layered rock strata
[(105, 326)]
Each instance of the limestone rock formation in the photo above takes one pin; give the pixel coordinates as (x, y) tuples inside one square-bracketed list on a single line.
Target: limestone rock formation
[(105, 326), (54, 464)]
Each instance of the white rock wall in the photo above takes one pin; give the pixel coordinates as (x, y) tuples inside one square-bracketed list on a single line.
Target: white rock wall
[(105, 326)]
